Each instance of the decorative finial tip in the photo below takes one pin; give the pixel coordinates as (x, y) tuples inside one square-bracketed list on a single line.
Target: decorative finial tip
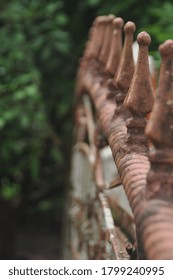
[(166, 49), (129, 27), (144, 38), (110, 17), (99, 19), (103, 19), (118, 23)]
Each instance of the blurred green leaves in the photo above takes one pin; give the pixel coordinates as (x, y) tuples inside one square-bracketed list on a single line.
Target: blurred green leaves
[(9, 191), (162, 29), (93, 2), (34, 45)]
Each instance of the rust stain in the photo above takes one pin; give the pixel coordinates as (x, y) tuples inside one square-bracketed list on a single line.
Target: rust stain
[(122, 97)]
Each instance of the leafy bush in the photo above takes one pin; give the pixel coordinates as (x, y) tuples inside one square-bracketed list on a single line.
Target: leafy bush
[(34, 48)]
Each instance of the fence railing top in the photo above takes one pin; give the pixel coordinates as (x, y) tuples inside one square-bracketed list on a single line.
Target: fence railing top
[(141, 144)]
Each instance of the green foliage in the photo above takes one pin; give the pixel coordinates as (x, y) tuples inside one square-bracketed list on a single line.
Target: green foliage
[(9, 191), (34, 46), (93, 2), (162, 29)]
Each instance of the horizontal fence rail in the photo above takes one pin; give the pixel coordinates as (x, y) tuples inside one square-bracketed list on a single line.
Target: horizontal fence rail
[(119, 105)]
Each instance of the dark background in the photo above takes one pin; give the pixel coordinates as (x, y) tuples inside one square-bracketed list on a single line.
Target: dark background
[(40, 45)]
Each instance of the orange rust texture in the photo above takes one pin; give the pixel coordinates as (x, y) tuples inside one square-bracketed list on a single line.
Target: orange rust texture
[(157, 224), (122, 105), (126, 66), (116, 46)]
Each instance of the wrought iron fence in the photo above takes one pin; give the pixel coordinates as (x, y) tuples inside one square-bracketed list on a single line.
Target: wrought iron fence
[(122, 159)]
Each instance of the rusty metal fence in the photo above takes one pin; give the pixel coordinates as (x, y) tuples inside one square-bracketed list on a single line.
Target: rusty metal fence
[(122, 159)]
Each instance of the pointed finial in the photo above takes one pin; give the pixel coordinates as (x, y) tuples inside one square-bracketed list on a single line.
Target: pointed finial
[(116, 46), (140, 97), (160, 127), (99, 35), (125, 70), (91, 52), (105, 49), (93, 43), (160, 130)]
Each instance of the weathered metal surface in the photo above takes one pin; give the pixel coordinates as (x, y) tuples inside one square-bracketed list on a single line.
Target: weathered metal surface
[(126, 66), (121, 103), (104, 53), (116, 46), (156, 222)]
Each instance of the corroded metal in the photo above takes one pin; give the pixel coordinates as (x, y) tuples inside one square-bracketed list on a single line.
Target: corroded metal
[(116, 46), (160, 129), (155, 221), (104, 53), (116, 241), (140, 97), (120, 108), (126, 67)]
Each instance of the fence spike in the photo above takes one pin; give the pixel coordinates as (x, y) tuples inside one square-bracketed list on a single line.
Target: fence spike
[(94, 41), (116, 46), (140, 97), (160, 127), (99, 35), (160, 130), (126, 66), (105, 49)]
